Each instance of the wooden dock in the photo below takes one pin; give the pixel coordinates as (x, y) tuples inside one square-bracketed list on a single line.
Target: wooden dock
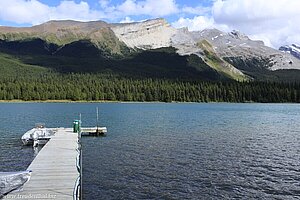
[(54, 171)]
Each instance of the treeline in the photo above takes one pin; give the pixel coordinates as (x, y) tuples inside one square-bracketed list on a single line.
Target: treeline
[(101, 87)]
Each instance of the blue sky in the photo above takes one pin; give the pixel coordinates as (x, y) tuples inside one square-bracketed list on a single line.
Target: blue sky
[(274, 22)]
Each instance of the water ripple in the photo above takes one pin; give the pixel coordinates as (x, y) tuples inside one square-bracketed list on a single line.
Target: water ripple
[(197, 151), (172, 151)]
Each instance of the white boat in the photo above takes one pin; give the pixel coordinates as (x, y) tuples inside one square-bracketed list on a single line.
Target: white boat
[(12, 181), (38, 135)]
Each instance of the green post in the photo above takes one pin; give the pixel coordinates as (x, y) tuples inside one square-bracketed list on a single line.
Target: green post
[(76, 126)]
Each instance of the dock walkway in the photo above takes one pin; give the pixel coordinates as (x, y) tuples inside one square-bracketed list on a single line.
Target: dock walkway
[(54, 171)]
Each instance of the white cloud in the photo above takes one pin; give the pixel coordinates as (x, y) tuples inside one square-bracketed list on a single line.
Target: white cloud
[(151, 8), (35, 12), (21, 11), (127, 20), (262, 37), (104, 3), (72, 10), (199, 10), (275, 23), (199, 23), (241, 11), (196, 23)]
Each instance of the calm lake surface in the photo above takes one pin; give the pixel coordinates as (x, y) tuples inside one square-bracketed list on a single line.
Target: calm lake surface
[(171, 151)]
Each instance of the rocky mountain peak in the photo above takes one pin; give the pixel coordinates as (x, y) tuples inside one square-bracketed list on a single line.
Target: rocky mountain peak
[(149, 34), (291, 49), (238, 35), (158, 33)]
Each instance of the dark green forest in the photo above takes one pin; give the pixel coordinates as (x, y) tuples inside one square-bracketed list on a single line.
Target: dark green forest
[(108, 87)]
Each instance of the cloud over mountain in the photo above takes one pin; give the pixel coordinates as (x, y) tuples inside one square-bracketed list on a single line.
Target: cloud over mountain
[(275, 23), (35, 12)]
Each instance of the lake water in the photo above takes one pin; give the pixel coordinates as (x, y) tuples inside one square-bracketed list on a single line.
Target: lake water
[(171, 151)]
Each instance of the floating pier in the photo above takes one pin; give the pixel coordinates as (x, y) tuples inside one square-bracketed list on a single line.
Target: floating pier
[(94, 131), (56, 169)]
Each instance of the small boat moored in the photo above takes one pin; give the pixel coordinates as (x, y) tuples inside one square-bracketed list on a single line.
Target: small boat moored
[(38, 135)]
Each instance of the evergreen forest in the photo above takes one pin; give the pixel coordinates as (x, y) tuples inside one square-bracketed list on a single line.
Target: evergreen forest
[(108, 87)]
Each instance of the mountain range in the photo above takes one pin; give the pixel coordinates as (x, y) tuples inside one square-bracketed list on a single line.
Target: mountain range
[(152, 48)]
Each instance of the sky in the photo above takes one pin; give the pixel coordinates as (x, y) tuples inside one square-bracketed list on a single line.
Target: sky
[(273, 21)]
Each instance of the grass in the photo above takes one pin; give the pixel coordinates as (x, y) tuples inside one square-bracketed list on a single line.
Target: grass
[(11, 66), (217, 63)]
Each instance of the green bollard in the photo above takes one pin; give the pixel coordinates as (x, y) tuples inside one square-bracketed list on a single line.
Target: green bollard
[(75, 126)]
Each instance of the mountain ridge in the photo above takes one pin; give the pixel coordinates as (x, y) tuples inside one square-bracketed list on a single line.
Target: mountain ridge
[(232, 55)]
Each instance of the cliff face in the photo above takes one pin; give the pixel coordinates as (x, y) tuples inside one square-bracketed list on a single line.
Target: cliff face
[(150, 34)]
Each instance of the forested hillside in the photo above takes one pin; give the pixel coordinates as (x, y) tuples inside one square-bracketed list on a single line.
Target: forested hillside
[(26, 82)]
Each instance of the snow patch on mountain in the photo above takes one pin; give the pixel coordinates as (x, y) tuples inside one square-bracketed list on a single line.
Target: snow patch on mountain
[(291, 49)]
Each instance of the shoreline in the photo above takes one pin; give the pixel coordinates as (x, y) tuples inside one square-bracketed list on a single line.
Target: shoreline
[(136, 102), (82, 101)]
